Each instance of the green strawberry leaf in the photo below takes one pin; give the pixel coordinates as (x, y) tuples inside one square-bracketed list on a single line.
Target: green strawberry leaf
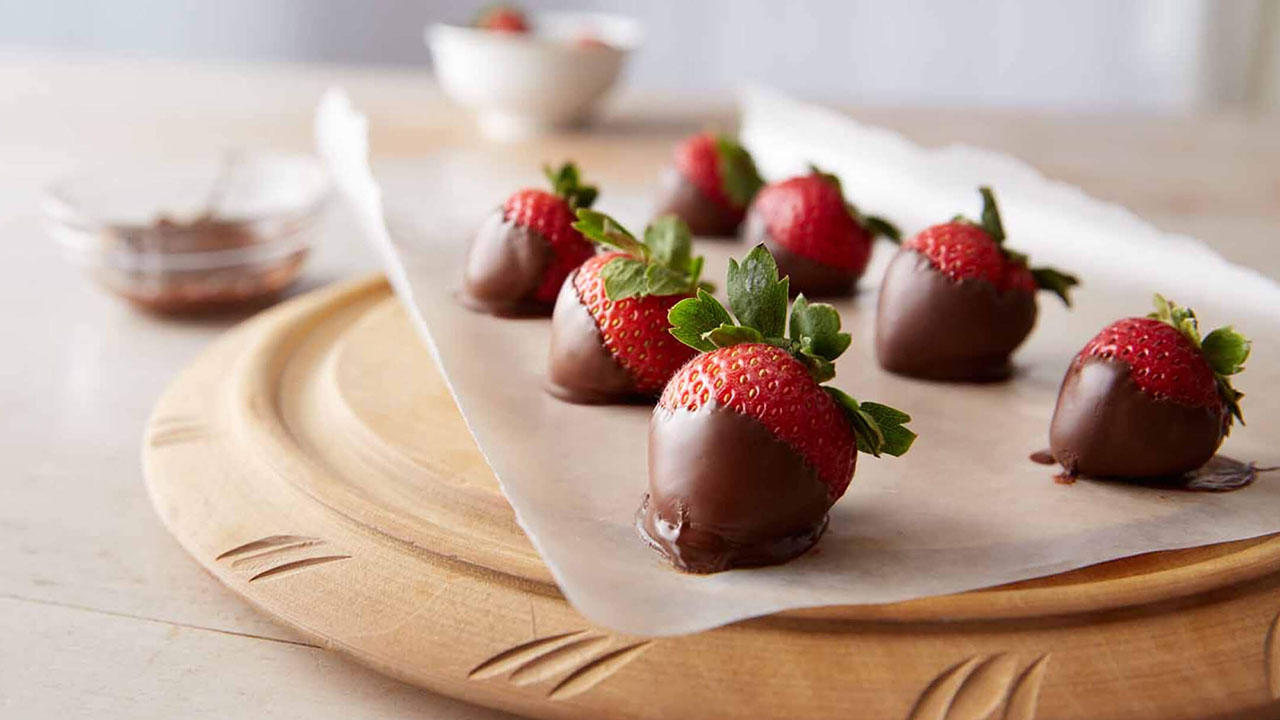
[(1184, 319), (991, 215), (1055, 281), (695, 275), (756, 295), (865, 428), (829, 177), (892, 423), (728, 334), (816, 327), (625, 277), (661, 280), (660, 265), (1224, 349), (566, 183), (737, 171), (692, 317), (1231, 397), (670, 242), (820, 368), (880, 429), (759, 300), (604, 230), (874, 224), (879, 227)]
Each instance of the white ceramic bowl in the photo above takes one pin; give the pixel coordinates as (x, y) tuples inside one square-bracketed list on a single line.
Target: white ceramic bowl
[(525, 84)]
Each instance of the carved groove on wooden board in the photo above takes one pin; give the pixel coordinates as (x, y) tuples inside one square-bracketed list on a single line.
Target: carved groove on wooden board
[(270, 556), (514, 657), (976, 688), (1026, 693), (270, 541), (261, 558), (596, 671), (297, 565), (177, 429), (576, 652), (1271, 657), (553, 662)]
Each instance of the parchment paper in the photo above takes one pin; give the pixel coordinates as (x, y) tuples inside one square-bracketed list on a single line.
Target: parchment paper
[(965, 509)]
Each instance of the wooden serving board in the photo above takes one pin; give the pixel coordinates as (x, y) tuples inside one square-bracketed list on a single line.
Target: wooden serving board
[(314, 462)]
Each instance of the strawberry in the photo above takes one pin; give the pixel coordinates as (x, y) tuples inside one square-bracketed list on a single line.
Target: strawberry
[(634, 328), (589, 41), (822, 242), (1148, 397), (502, 18), (962, 249), (710, 184), (523, 252), (721, 168), (624, 351), (770, 385), (955, 302), (747, 448)]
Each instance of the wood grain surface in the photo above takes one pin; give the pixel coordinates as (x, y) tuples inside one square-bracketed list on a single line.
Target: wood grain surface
[(104, 615), (314, 462)]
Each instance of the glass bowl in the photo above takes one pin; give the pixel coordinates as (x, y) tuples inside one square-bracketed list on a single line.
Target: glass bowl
[(185, 239)]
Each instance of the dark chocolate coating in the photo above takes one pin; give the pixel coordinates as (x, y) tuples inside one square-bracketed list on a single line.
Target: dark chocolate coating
[(504, 268), (808, 276), (1105, 426), (931, 326), (580, 369), (706, 216), (724, 492)]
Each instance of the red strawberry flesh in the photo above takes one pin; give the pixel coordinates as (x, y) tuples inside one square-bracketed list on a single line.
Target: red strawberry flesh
[(1161, 361), (697, 160), (634, 329), (807, 215), (551, 218), (964, 251), (768, 384)]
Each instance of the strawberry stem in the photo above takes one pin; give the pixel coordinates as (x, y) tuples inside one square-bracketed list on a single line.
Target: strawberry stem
[(1224, 349), (991, 215), (759, 301), (566, 183), (738, 171), (662, 263)]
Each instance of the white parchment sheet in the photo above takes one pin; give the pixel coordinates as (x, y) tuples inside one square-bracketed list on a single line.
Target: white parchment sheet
[(964, 509)]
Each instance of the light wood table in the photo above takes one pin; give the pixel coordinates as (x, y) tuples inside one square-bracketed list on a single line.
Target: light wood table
[(101, 613)]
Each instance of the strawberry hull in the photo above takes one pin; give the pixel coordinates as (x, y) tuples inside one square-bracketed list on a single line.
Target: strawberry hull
[(705, 215), (1104, 425), (811, 277), (505, 268), (725, 492), (580, 369), (934, 327)]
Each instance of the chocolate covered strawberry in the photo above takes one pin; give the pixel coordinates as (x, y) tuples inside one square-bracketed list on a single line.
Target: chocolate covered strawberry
[(817, 238), (526, 248), (609, 339), (710, 184), (955, 302), (1148, 397), (502, 18), (748, 449)]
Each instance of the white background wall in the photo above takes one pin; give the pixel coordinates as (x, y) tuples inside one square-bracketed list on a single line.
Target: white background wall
[(1161, 55)]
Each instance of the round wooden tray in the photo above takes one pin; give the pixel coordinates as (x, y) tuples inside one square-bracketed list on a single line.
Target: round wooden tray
[(313, 461)]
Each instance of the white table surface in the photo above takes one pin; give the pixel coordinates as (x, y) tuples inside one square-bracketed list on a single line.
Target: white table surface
[(101, 613)]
